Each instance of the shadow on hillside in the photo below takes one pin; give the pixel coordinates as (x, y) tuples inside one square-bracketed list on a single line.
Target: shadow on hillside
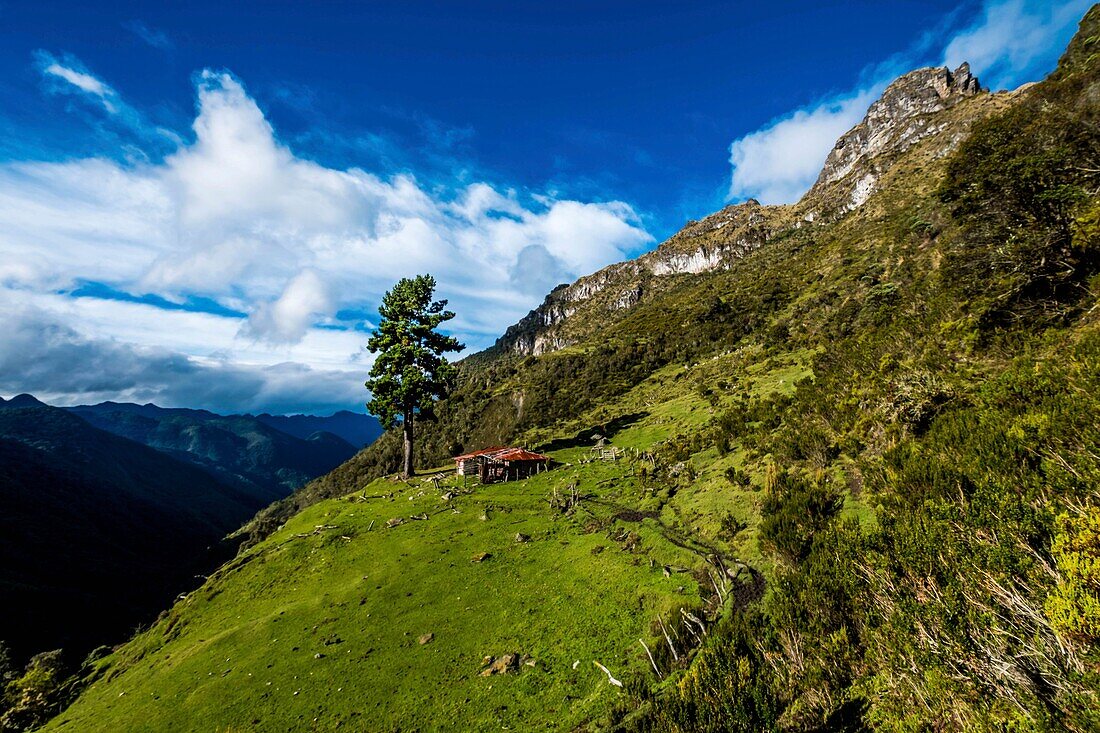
[(588, 436)]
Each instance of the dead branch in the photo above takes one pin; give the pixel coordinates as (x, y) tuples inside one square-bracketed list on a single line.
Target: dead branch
[(606, 671), (650, 655)]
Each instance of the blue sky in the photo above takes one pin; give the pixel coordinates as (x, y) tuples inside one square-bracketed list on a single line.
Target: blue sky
[(205, 201)]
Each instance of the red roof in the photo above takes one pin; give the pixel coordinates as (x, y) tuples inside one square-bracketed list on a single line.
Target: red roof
[(505, 454), (482, 452), (520, 454)]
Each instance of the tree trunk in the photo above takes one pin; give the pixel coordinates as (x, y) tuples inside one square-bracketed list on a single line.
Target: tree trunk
[(408, 426)]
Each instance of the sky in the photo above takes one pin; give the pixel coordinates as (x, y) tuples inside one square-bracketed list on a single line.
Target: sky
[(201, 204)]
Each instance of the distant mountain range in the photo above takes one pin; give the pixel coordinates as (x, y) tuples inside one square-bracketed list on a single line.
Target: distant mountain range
[(97, 532), (359, 430), (113, 509), (268, 456)]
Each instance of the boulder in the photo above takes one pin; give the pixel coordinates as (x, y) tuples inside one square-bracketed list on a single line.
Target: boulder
[(503, 664)]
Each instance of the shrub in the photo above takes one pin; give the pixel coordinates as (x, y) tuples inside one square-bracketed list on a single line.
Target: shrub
[(794, 512), (1074, 606), (1016, 187)]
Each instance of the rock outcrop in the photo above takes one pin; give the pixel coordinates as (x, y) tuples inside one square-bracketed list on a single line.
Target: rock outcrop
[(713, 243), (906, 113)]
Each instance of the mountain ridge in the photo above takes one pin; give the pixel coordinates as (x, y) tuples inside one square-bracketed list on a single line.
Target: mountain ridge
[(138, 525), (902, 117)]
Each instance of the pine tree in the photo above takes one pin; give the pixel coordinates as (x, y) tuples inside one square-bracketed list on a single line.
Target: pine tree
[(410, 373)]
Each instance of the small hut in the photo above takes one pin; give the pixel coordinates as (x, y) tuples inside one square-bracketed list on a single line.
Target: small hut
[(467, 464), (501, 464), (602, 450)]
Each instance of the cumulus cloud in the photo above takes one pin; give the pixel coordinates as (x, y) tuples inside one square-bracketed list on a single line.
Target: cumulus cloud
[(237, 218), (778, 162), (288, 318), (69, 350), (1011, 41)]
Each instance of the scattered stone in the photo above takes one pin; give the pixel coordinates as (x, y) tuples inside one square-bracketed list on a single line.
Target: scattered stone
[(425, 638), (420, 517), (503, 664), (481, 557), (521, 537), (448, 496), (576, 664), (391, 523)]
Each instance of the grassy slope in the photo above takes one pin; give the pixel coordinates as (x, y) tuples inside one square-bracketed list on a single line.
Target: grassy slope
[(335, 572)]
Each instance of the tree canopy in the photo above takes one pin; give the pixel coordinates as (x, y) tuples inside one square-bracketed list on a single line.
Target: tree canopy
[(410, 373)]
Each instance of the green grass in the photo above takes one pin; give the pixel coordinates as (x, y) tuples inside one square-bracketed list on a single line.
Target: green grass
[(240, 653)]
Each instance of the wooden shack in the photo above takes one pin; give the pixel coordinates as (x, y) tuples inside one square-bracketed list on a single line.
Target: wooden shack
[(501, 464), (467, 464)]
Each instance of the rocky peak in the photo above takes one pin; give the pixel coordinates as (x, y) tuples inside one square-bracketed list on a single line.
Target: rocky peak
[(905, 114), (957, 83)]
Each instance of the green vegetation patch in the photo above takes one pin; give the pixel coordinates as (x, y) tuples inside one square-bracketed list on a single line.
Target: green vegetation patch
[(320, 625)]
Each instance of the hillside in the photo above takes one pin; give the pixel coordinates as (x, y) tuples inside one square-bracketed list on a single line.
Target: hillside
[(253, 454), (97, 533), (860, 449)]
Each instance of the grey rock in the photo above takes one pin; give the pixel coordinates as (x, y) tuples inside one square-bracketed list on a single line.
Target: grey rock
[(503, 664)]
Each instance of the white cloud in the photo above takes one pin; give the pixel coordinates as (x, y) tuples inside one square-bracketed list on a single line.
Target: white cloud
[(67, 75), (72, 350), (80, 80), (1011, 42), (1015, 40), (287, 319), (154, 37), (42, 351), (779, 162), (238, 218), (74, 78)]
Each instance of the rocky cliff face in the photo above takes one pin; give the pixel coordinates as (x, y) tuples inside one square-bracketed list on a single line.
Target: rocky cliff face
[(906, 113), (713, 243), (909, 111)]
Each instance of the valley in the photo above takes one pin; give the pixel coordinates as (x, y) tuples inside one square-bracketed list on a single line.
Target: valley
[(102, 528)]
